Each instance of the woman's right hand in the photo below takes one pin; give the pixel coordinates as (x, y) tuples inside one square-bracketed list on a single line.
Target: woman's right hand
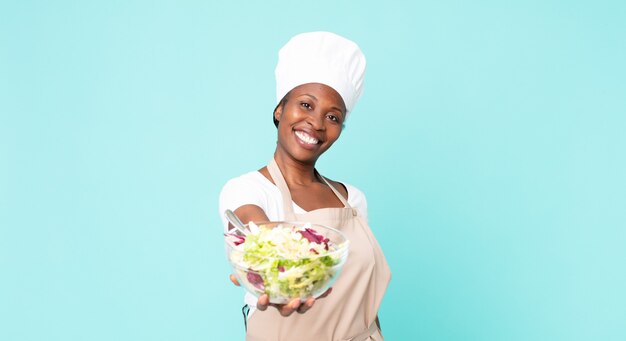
[(285, 309)]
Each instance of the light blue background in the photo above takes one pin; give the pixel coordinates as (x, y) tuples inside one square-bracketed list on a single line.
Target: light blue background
[(489, 141)]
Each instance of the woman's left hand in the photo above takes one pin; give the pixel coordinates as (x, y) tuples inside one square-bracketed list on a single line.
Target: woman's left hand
[(285, 309)]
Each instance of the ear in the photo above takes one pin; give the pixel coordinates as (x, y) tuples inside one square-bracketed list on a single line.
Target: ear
[(278, 112)]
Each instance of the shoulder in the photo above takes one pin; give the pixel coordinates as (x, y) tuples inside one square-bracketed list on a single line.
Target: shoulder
[(248, 189), (356, 197), (341, 187), (347, 190), (245, 182)]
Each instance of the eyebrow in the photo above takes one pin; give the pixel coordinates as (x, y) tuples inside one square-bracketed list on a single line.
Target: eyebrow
[(315, 98), (333, 107)]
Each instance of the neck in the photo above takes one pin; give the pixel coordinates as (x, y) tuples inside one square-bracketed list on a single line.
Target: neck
[(295, 172)]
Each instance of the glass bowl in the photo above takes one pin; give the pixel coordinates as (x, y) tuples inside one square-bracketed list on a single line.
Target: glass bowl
[(287, 260)]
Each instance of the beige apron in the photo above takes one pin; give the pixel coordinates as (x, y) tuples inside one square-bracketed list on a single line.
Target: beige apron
[(349, 312)]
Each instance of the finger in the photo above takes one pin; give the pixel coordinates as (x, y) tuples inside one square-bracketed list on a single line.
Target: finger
[(234, 280), (263, 302), (290, 307), (326, 293), (308, 304)]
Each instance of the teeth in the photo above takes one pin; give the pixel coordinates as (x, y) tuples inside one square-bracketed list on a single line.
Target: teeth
[(306, 137)]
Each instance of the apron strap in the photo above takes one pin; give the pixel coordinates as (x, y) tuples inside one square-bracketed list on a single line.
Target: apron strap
[(343, 200), (279, 180)]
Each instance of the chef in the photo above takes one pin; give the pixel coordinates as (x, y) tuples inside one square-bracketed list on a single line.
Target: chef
[(319, 79)]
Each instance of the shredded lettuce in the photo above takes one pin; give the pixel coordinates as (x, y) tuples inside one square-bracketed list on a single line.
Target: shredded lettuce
[(285, 261)]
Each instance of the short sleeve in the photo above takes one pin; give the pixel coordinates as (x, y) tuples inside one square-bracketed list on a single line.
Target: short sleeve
[(238, 192)]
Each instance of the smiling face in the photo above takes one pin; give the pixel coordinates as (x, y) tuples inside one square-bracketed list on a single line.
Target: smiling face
[(310, 121)]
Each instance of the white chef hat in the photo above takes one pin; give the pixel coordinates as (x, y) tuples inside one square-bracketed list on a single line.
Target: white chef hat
[(321, 57)]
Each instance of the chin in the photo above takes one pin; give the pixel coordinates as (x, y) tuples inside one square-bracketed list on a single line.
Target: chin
[(301, 157)]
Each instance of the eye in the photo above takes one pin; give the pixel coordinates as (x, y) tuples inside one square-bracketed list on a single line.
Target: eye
[(305, 105), (333, 118)]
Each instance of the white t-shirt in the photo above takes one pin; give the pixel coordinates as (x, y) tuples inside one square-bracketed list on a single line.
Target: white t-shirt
[(254, 188)]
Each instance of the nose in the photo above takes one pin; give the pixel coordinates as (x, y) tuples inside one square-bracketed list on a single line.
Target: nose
[(316, 120)]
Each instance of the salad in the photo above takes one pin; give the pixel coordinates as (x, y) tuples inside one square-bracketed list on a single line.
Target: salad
[(285, 261)]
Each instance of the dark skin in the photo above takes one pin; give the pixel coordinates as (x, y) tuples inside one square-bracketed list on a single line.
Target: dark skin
[(310, 119)]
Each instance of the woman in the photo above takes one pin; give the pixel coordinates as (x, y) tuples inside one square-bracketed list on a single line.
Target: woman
[(319, 78)]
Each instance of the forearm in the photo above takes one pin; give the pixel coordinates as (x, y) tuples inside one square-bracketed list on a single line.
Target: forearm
[(248, 213)]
